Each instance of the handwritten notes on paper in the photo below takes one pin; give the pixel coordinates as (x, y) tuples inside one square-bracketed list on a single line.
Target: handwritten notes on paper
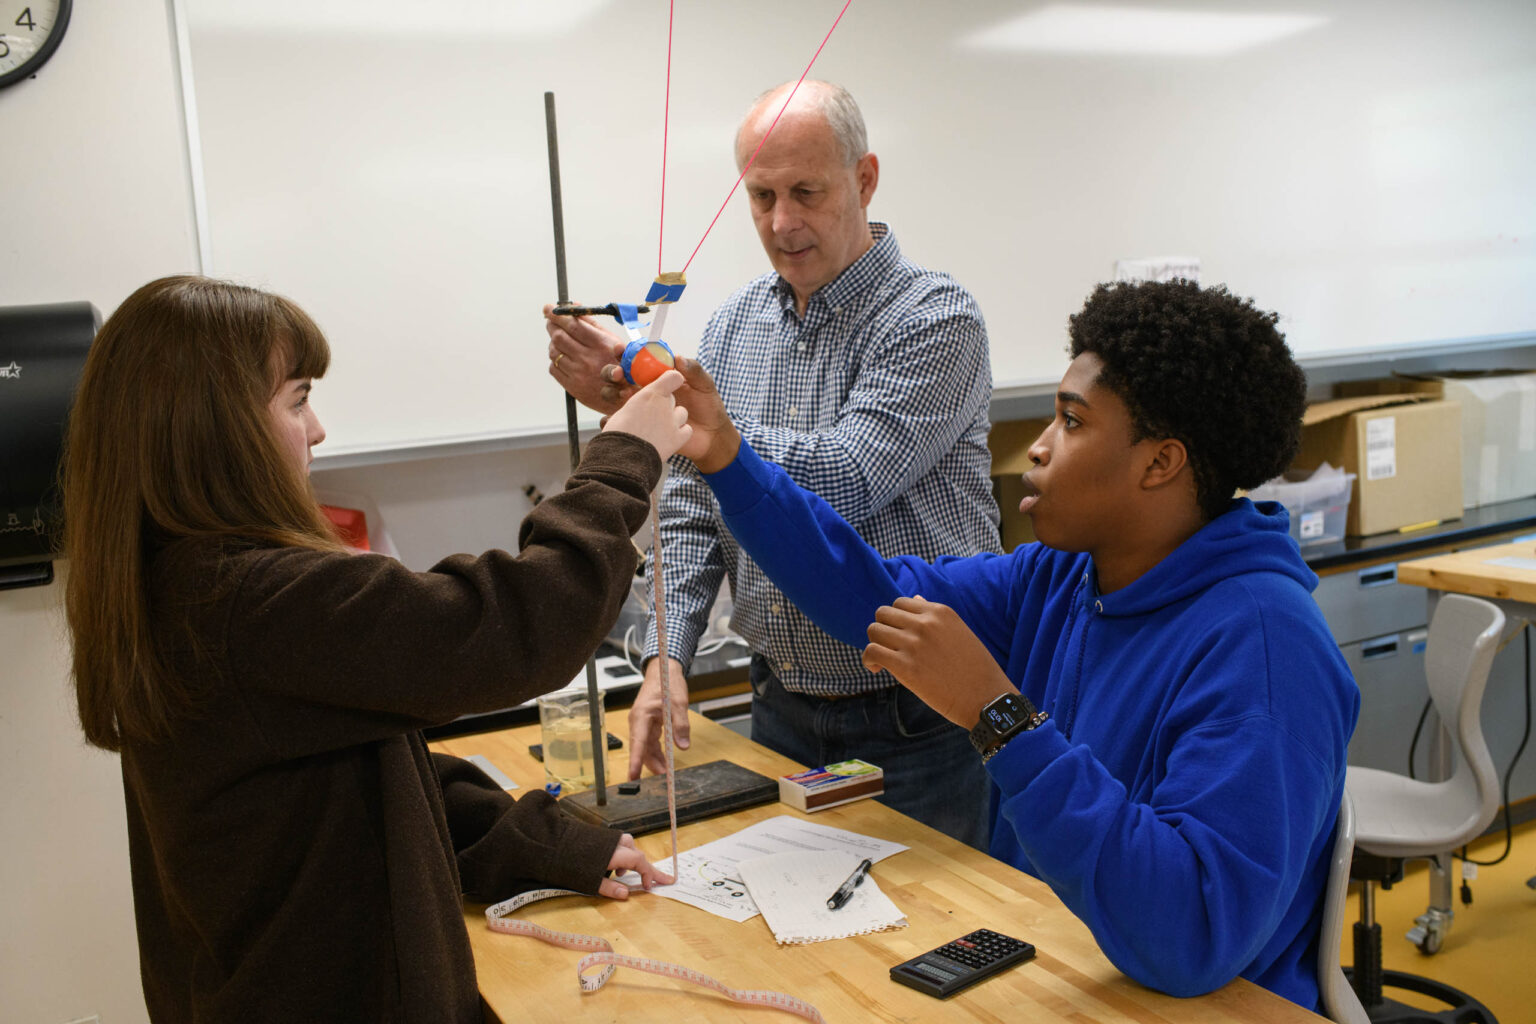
[(791, 890), (709, 876)]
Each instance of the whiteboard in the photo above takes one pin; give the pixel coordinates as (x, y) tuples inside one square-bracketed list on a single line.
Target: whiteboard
[(1365, 170)]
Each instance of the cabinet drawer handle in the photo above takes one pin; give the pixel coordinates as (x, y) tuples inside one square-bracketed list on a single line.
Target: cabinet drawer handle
[(1378, 576), (1374, 649)]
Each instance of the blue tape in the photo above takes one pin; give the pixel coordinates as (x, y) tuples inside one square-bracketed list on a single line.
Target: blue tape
[(629, 316)]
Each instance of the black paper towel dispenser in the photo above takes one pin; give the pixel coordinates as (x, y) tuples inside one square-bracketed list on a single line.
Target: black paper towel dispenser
[(42, 350)]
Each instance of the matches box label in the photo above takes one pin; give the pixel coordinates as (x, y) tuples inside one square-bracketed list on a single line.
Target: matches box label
[(840, 783)]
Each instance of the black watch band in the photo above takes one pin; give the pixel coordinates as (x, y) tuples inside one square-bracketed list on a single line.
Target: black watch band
[(1001, 720)]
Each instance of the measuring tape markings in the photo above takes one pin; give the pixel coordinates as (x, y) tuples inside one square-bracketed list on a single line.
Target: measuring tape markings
[(659, 589), (601, 953)]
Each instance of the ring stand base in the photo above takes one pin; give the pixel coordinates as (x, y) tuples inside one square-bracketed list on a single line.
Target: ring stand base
[(703, 790)]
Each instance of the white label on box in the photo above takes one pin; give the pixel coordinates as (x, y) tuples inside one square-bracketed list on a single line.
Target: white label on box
[(1381, 448), (1311, 525)]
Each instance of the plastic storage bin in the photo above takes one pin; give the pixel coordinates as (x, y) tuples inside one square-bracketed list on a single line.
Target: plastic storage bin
[(1318, 503)]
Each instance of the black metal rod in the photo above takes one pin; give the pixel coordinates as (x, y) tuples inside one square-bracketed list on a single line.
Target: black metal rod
[(594, 696), (562, 288), (611, 309)]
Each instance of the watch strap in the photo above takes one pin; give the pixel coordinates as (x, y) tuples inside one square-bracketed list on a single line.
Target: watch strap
[(988, 740)]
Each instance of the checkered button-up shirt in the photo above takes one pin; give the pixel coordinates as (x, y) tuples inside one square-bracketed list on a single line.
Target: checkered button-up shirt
[(876, 399)]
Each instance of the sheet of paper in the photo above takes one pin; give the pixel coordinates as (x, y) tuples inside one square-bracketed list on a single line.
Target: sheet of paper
[(497, 775), (709, 877), (791, 890), (1513, 562)]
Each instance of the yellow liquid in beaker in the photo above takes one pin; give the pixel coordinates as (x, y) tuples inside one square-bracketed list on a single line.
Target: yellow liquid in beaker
[(568, 754)]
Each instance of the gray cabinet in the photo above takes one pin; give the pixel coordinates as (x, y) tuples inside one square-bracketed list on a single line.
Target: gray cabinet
[(1389, 670), (1381, 626)]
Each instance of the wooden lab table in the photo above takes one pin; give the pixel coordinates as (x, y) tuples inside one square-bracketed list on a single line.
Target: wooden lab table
[(944, 888), (1511, 587)]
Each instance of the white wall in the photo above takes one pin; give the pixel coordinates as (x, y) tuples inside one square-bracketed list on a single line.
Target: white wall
[(436, 507), (98, 202), (1366, 176)]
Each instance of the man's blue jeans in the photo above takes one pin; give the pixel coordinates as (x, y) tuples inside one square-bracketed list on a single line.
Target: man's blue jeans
[(931, 771)]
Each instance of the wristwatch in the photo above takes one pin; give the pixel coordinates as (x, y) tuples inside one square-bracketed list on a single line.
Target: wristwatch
[(1002, 720)]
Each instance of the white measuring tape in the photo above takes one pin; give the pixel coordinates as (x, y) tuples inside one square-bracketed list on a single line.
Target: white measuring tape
[(660, 591), (602, 954), (497, 917)]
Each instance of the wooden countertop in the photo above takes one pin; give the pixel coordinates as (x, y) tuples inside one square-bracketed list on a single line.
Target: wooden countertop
[(944, 887), (1474, 572)]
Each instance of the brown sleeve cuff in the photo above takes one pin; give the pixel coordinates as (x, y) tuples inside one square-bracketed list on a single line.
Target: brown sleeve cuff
[(507, 846)]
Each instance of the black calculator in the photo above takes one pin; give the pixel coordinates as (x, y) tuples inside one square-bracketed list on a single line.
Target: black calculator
[(955, 965)]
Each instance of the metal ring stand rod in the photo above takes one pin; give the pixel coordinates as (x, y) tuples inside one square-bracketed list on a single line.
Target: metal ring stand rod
[(594, 697)]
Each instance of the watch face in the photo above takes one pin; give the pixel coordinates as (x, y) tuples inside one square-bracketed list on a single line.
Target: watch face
[(1004, 713), (30, 31)]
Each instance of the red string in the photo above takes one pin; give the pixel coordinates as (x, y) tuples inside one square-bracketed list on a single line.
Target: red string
[(769, 132), (666, 111)]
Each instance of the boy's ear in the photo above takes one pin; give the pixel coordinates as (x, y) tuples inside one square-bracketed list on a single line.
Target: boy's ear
[(1167, 459)]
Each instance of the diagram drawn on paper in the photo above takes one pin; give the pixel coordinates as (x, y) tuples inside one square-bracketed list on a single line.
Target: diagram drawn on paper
[(708, 876)]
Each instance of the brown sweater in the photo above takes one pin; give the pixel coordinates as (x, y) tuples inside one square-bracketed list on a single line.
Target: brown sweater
[(297, 853)]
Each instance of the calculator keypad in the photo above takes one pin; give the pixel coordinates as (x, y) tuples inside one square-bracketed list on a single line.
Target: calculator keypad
[(979, 948)]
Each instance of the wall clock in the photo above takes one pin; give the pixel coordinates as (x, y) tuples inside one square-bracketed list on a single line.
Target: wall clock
[(30, 30)]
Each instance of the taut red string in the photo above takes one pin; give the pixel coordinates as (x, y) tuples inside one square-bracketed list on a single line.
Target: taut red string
[(666, 111), (769, 132)]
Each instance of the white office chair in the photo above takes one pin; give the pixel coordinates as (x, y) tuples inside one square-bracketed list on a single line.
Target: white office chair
[(1398, 818), (1339, 1000)]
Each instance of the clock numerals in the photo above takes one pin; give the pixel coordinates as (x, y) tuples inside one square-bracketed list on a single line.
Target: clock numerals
[(29, 39), (23, 20)]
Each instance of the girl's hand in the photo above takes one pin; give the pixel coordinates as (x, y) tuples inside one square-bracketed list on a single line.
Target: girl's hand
[(652, 415), (627, 857)]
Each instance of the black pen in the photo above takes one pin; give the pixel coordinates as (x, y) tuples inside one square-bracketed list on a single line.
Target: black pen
[(845, 891)]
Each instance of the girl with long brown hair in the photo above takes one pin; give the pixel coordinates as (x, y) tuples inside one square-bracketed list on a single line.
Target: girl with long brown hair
[(297, 853)]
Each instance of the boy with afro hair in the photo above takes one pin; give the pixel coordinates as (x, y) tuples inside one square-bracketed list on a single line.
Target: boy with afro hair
[(1178, 785)]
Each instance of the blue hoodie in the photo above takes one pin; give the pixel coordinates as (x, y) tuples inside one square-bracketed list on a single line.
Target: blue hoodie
[(1182, 796)]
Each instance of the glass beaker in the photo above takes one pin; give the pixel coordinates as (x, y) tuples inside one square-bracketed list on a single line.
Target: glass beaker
[(565, 725)]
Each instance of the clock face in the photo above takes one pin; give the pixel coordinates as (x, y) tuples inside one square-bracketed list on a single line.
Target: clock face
[(30, 30)]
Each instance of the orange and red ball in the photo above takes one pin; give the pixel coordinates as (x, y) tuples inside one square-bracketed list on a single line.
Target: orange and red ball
[(644, 361)]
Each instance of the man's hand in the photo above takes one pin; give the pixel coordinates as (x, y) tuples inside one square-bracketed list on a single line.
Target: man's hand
[(627, 857), (578, 350), (646, 734), (934, 654)]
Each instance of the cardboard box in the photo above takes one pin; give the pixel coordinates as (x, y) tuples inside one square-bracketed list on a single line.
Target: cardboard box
[(1498, 427), (1498, 434), (816, 789), (1009, 443), (1405, 452)]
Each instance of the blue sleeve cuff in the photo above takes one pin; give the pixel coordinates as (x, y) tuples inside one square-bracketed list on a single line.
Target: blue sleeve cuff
[(1025, 756), (742, 483)]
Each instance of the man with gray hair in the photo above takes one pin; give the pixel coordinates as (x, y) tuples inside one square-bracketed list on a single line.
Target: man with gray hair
[(868, 379)]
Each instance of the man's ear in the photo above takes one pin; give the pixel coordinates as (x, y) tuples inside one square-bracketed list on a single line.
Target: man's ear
[(1167, 459), (867, 174)]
